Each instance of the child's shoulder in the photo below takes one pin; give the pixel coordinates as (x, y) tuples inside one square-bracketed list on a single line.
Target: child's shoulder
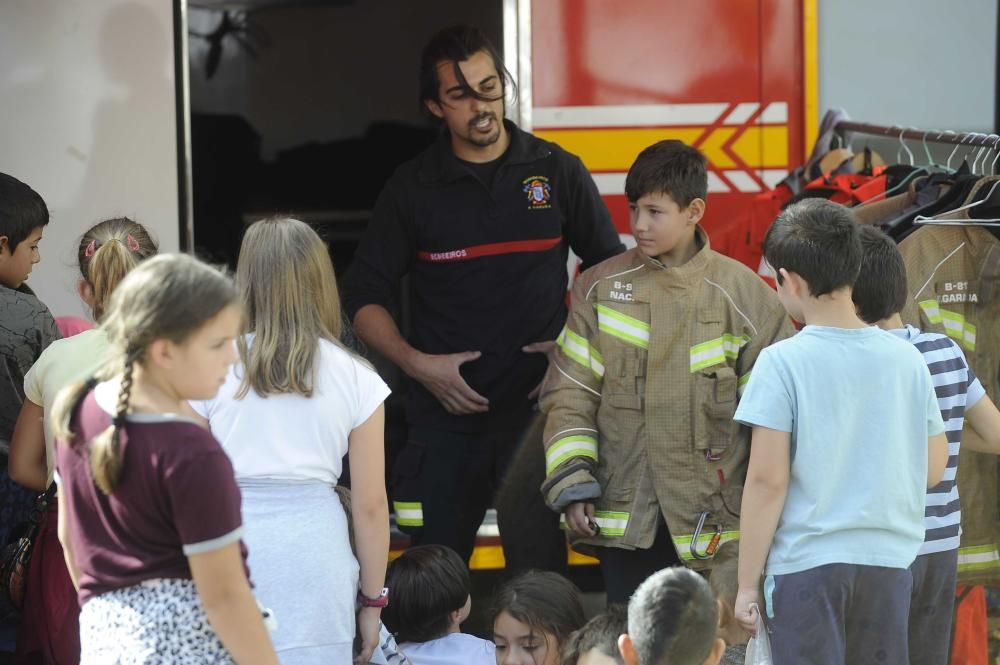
[(737, 276), (627, 262), (23, 310), (339, 356)]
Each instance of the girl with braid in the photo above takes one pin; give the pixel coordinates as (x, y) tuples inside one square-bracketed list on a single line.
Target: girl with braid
[(149, 510), (105, 254)]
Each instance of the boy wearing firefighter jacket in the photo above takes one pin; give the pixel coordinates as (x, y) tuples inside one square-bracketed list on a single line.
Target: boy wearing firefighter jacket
[(642, 455)]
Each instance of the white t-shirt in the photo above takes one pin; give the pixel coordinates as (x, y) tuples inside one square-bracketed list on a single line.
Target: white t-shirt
[(452, 649), (291, 437)]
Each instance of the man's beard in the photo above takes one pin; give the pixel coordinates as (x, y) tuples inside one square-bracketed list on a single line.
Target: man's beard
[(478, 139)]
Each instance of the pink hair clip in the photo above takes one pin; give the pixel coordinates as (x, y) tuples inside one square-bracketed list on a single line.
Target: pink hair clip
[(91, 248), (132, 243)]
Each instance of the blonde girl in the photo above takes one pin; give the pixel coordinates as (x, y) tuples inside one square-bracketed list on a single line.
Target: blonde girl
[(105, 254), (288, 413), (149, 511)]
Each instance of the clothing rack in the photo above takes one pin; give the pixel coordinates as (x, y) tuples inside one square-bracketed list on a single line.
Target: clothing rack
[(929, 136)]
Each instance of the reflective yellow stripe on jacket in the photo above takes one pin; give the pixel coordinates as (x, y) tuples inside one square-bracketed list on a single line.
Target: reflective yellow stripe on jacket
[(578, 349), (955, 325), (716, 351), (622, 326), (683, 543), (576, 445), (611, 523), (978, 558)]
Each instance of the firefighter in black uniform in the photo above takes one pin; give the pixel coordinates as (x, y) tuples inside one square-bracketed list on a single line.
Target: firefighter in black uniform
[(482, 223)]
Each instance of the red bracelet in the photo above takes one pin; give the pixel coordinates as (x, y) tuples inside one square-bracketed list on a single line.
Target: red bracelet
[(381, 601)]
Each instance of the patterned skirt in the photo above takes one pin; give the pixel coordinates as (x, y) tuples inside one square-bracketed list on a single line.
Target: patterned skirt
[(156, 621)]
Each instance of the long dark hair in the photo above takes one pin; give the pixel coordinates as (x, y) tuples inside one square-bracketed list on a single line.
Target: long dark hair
[(545, 601), (457, 44)]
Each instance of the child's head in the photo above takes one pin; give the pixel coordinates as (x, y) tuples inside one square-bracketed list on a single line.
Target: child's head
[(23, 216), (597, 642), (880, 290), (107, 252), (666, 190), (672, 620), (534, 614), (286, 279), (725, 585), (170, 322), (430, 594), (814, 244)]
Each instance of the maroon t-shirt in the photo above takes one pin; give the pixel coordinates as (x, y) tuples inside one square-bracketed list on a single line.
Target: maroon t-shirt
[(177, 497)]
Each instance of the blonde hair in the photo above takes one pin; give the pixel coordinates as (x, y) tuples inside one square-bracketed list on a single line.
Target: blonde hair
[(107, 252), (286, 280), (168, 297)]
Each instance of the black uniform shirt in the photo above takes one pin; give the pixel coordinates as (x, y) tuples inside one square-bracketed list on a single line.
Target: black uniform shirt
[(487, 265)]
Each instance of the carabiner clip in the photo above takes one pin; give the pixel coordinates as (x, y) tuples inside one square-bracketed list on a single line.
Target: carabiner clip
[(713, 544)]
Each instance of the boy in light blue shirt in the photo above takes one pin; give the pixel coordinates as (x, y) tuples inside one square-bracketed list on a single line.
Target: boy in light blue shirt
[(847, 437)]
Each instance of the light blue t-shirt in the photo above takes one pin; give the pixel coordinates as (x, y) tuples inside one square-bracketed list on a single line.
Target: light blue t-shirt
[(860, 406), (452, 649)]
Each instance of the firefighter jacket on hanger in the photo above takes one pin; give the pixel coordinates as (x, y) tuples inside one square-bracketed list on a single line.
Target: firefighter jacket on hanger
[(953, 274)]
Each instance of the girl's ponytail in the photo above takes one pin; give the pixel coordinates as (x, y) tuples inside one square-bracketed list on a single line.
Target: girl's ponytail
[(107, 252)]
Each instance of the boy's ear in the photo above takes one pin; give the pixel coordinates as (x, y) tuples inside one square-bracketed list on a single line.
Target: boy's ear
[(627, 650), (786, 277), (695, 211), (717, 652), (4, 245)]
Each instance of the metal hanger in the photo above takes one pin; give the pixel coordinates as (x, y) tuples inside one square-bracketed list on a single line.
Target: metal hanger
[(936, 219), (923, 170)]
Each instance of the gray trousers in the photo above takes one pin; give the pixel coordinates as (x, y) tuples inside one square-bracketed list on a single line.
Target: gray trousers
[(932, 607), (839, 614)]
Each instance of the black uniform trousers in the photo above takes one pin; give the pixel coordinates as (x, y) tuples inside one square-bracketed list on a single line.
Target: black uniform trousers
[(456, 477)]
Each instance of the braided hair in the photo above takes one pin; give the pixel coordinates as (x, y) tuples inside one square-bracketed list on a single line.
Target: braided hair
[(167, 297)]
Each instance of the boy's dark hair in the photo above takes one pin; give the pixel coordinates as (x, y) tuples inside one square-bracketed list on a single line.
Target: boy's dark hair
[(599, 633), (818, 240), (544, 601), (668, 167), (428, 582), (22, 210), (880, 290), (673, 618), (457, 44)]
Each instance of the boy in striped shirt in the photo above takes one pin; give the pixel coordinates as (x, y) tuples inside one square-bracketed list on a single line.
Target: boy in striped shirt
[(880, 295)]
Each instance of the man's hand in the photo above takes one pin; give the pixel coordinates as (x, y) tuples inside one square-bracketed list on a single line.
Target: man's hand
[(440, 375), (745, 615), (549, 349), (579, 517)]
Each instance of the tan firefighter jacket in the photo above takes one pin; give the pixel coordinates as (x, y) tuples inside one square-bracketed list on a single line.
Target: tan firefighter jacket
[(953, 273), (641, 395)]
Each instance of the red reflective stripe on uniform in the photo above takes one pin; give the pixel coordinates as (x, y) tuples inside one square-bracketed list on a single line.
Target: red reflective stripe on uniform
[(476, 251)]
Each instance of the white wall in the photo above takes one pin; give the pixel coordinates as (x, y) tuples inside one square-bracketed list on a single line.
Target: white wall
[(921, 63), (88, 120)]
